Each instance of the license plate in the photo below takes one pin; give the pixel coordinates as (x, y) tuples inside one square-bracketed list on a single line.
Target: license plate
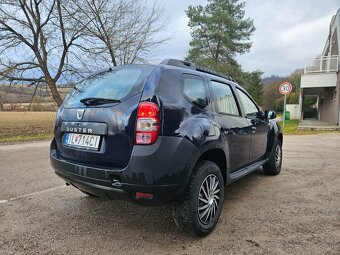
[(83, 141)]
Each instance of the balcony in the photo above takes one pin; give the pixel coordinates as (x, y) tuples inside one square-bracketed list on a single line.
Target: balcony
[(320, 72), (322, 64)]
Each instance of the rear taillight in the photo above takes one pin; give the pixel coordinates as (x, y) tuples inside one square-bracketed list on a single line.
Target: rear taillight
[(147, 124)]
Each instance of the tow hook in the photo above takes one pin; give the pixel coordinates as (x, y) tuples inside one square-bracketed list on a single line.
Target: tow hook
[(116, 183)]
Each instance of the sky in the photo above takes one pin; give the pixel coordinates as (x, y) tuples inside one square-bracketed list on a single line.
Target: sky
[(287, 32)]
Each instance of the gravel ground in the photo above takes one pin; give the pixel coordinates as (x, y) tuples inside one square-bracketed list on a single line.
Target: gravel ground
[(297, 212)]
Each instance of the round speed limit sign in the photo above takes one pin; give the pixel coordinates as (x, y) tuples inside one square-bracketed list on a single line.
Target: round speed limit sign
[(285, 88)]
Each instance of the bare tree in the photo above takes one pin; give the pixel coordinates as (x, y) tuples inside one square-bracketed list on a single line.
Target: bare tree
[(1, 103), (35, 38), (119, 31), (49, 41)]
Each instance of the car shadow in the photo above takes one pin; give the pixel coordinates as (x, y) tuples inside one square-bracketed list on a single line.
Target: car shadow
[(105, 218)]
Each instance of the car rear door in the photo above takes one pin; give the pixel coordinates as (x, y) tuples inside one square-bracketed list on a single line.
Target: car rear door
[(234, 128), (259, 126), (100, 130)]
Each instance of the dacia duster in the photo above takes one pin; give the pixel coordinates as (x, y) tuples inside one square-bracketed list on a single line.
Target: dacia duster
[(169, 133)]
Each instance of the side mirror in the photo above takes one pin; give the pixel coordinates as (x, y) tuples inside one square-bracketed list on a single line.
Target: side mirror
[(261, 115), (270, 115)]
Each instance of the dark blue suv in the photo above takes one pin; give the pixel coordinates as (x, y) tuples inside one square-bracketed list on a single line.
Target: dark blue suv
[(155, 134)]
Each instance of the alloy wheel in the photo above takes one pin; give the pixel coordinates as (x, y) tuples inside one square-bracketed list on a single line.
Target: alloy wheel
[(278, 155), (208, 199)]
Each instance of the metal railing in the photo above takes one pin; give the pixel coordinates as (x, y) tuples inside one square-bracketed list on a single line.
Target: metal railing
[(322, 64)]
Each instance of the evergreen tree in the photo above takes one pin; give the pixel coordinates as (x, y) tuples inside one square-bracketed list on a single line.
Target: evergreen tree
[(254, 86), (219, 31)]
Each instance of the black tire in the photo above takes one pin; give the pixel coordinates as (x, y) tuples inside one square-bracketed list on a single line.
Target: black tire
[(189, 208), (274, 163)]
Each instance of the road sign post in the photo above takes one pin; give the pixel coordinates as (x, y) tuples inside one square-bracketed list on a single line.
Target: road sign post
[(285, 89), (284, 112)]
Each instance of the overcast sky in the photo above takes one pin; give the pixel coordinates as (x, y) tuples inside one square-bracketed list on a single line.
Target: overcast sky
[(287, 32)]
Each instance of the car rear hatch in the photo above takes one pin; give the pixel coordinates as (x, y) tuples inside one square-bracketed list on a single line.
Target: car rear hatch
[(96, 123)]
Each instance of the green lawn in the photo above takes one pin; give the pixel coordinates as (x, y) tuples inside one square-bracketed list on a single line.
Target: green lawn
[(292, 125), (25, 138), (279, 115)]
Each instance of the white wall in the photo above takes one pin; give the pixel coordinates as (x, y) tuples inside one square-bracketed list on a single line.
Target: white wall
[(318, 80), (294, 110)]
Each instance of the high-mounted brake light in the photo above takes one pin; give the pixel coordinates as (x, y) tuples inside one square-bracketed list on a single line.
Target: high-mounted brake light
[(147, 124)]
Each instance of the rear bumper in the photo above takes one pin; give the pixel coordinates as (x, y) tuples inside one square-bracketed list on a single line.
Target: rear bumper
[(149, 171)]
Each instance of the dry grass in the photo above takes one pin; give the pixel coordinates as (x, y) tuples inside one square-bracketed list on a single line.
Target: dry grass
[(25, 126)]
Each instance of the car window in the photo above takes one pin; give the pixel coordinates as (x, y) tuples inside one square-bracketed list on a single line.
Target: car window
[(249, 106), (224, 97), (116, 84), (193, 88)]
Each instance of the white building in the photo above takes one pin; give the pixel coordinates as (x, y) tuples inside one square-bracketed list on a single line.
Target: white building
[(321, 79)]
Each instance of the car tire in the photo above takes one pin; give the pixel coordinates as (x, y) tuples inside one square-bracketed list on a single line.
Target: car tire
[(274, 163), (198, 209)]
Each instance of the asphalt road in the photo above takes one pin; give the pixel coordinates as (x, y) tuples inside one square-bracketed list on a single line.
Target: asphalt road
[(297, 212)]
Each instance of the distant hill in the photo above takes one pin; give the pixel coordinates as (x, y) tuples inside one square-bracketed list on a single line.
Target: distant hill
[(278, 79), (273, 78)]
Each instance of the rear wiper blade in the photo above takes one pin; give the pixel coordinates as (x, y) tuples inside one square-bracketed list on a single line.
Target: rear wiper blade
[(97, 100)]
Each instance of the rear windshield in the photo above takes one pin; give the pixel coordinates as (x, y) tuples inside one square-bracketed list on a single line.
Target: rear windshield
[(118, 84)]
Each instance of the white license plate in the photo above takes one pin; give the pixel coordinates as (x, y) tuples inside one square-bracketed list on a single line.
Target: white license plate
[(82, 141)]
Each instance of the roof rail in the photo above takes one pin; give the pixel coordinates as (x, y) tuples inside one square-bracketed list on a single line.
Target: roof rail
[(193, 66)]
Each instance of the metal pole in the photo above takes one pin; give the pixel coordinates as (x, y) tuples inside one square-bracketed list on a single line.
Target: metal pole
[(284, 113)]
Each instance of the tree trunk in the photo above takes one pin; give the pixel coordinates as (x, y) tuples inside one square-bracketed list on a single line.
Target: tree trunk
[(55, 93), (217, 50), (112, 54)]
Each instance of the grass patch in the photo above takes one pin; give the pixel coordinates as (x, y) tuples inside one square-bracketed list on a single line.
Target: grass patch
[(26, 138), (26, 126), (279, 114), (292, 125)]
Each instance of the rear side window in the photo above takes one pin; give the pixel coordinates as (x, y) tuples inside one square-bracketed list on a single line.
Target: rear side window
[(249, 106), (224, 97), (117, 84), (193, 89)]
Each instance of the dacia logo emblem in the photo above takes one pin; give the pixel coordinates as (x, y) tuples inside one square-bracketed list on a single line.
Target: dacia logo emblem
[(80, 113)]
